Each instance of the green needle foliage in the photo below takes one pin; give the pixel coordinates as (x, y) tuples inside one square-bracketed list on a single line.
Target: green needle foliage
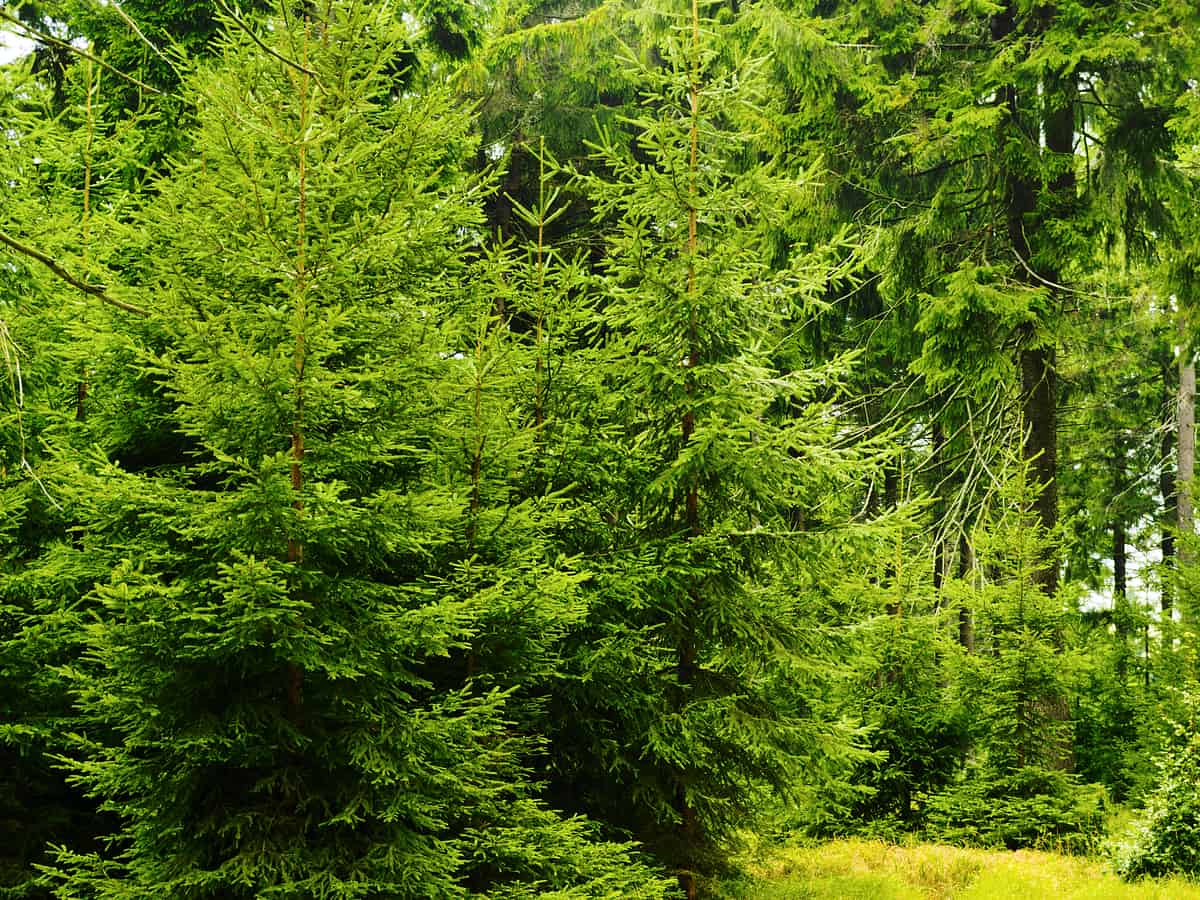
[(55, 343), (1015, 792), (1166, 837), (696, 681), (388, 510), (915, 727), (270, 647)]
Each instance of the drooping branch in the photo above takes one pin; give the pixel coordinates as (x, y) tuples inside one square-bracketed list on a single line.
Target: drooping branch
[(52, 41), (133, 26), (233, 17), (92, 290)]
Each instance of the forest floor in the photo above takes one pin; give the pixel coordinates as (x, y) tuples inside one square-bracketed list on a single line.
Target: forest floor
[(868, 870)]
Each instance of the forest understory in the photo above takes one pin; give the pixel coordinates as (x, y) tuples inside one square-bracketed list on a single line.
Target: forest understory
[(860, 869)]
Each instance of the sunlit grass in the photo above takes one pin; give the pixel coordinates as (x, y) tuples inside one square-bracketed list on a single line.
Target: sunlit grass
[(867, 870)]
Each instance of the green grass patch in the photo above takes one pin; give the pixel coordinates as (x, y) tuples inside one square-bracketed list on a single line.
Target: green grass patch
[(869, 870)]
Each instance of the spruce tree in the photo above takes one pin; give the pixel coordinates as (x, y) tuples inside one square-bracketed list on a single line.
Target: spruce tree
[(1013, 792), (720, 483), (270, 648), (60, 348)]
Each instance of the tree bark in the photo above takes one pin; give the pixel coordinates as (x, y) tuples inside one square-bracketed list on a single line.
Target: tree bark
[(1039, 388), (1186, 453), (1038, 375), (1120, 609), (1166, 486), (1045, 117), (966, 566), (295, 547), (1039, 385), (939, 540), (1119, 576), (1120, 599), (691, 828), (891, 499)]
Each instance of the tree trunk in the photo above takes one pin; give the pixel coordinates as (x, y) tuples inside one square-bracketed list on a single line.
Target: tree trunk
[(1120, 599), (1039, 385), (1038, 375), (1045, 115), (1186, 459), (691, 828), (1166, 487), (1119, 577), (295, 549), (1120, 609), (939, 540), (1186, 436), (891, 499), (1039, 388), (966, 566)]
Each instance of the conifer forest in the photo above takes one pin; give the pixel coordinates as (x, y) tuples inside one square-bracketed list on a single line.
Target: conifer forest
[(598, 449)]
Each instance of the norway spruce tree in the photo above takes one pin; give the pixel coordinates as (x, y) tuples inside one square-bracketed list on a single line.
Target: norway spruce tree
[(62, 203), (1013, 791), (274, 646), (719, 488)]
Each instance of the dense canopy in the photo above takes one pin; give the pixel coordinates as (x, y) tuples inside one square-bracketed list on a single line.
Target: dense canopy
[(508, 448)]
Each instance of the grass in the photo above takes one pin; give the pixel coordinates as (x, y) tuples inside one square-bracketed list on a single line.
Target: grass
[(869, 870)]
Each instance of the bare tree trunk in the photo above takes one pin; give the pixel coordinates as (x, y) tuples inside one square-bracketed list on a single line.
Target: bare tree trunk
[(891, 499), (1186, 435), (966, 567), (1119, 577), (1120, 556), (939, 546), (691, 828), (1120, 598), (295, 549), (1039, 384), (1060, 96), (1166, 486), (1186, 460)]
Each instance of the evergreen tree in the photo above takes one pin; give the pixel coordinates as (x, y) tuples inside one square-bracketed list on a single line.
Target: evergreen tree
[(1013, 792), (269, 648), (63, 348), (726, 480), (915, 726)]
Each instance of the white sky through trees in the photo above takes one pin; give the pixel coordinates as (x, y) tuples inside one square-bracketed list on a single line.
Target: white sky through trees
[(13, 47)]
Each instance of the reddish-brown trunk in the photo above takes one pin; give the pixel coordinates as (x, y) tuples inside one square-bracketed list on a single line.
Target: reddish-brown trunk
[(295, 548), (81, 394), (691, 829)]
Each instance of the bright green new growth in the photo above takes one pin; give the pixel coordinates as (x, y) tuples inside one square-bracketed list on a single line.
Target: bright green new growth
[(1015, 792), (720, 474), (285, 648)]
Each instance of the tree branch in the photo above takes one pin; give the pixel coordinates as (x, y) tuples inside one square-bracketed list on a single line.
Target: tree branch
[(93, 290), (115, 7), (254, 37), (32, 32)]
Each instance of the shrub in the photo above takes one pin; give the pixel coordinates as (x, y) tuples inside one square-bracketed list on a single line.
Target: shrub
[(1029, 807), (1166, 839)]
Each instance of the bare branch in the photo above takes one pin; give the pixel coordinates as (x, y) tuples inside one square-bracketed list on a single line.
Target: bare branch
[(116, 7), (254, 37), (1054, 284), (50, 39), (93, 290)]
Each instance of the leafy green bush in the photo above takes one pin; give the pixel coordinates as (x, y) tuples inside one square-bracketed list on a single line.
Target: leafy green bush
[(1029, 807), (1166, 839)]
